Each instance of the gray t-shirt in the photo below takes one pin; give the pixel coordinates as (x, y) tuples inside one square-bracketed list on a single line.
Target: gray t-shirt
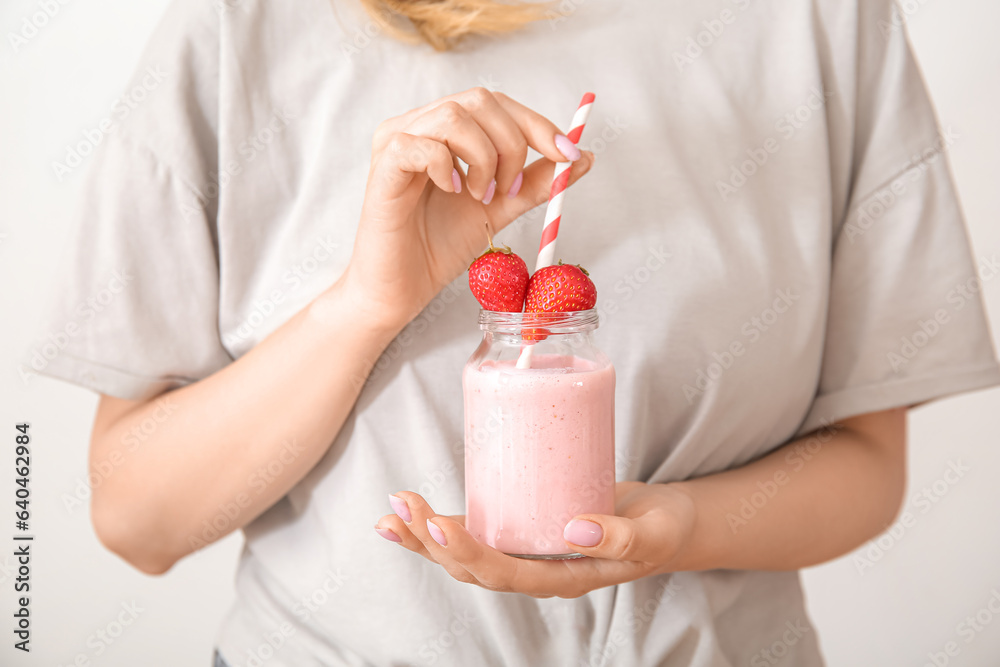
[(771, 226)]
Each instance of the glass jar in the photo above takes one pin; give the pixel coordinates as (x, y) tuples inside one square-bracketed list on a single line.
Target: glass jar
[(539, 431)]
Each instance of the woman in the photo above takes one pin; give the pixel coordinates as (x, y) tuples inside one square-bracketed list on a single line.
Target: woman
[(772, 230)]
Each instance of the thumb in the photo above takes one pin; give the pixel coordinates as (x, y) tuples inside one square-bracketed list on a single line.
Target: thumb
[(646, 539), (534, 189)]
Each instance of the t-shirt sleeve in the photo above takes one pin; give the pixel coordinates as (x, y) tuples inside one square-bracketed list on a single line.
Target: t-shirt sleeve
[(136, 312), (906, 322)]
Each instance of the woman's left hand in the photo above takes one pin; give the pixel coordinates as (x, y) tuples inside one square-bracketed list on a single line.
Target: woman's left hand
[(652, 528)]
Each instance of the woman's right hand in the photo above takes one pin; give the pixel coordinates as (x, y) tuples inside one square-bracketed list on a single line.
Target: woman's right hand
[(293, 391), (423, 221)]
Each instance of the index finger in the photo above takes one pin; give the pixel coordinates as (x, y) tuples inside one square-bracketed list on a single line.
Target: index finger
[(539, 131)]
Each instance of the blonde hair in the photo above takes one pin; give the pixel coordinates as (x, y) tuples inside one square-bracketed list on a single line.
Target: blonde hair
[(443, 23)]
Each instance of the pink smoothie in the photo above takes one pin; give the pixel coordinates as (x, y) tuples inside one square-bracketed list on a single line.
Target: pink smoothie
[(539, 450)]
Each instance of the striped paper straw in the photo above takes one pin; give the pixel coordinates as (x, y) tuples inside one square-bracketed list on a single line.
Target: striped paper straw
[(560, 181), (553, 212)]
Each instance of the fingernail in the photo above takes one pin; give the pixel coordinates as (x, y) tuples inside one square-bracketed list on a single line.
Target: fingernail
[(436, 533), (584, 533), (399, 507), (567, 148), (516, 185), (490, 191), (388, 534), (456, 180)]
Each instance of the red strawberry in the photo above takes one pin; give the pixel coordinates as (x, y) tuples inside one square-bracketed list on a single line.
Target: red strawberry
[(560, 288), (499, 279)]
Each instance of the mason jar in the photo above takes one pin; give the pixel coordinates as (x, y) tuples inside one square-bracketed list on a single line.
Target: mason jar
[(539, 431)]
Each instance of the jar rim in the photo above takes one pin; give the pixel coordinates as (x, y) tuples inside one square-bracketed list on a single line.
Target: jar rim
[(578, 321)]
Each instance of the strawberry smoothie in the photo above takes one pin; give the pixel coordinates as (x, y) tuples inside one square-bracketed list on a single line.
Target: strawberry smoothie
[(539, 450)]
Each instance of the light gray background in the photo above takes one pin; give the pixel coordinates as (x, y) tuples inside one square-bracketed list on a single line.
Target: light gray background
[(920, 585)]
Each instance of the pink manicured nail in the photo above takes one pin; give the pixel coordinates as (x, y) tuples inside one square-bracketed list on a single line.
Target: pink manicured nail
[(516, 185), (388, 534), (436, 533), (584, 533), (567, 148), (400, 508), (490, 191), (456, 180)]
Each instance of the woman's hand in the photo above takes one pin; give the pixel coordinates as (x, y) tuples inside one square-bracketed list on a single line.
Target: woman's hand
[(650, 532), (833, 489), (423, 220)]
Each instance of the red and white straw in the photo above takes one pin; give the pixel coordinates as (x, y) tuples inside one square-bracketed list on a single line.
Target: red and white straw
[(560, 181), (553, 213)]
